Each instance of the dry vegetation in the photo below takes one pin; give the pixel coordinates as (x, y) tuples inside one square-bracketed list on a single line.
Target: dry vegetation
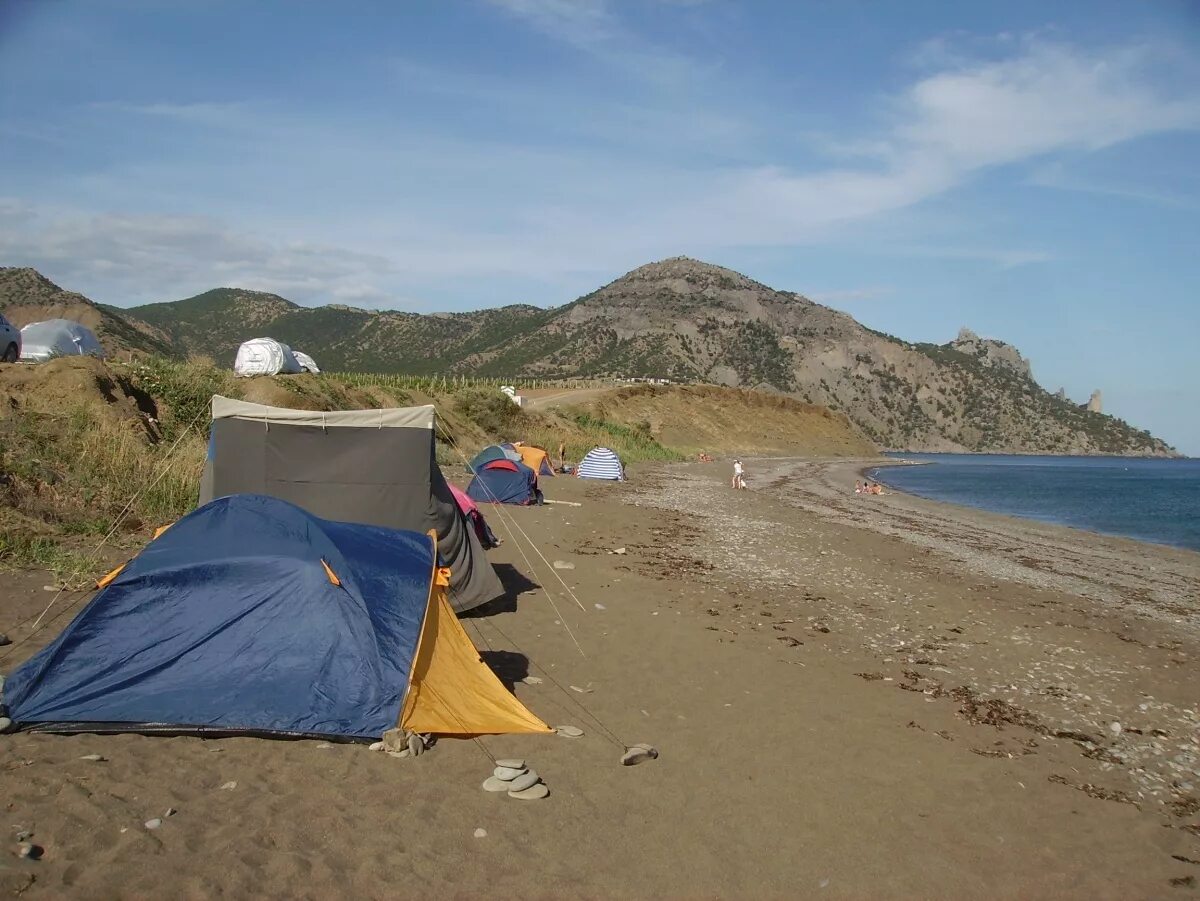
[(86, 446)]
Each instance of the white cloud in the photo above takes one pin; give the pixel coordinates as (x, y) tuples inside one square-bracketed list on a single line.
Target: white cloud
[(1059, 177), (143, 258), (593, 28)]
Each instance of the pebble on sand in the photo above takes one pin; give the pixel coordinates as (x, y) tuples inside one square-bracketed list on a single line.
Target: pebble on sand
[(5, 724), (638, 754), (154, 823), (524, 781), (481, 833), (513, 763), (29, 851), (228, 786), (569, 731), (507, 773), (4, 640), (563, 564), (98, 758), (1115, 728), (533, 680), (532, 793), (492, 784)]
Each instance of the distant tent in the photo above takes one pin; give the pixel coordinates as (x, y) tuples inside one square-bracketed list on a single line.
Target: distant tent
[(536, 459), (264, 356), (600, 463), (250, 615), (306, 363), (493, 452), (42, 341), (504, 482), (367, 466)]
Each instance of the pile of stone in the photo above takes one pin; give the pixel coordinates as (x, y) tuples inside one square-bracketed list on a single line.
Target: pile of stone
[(512, 776), (399, 743)]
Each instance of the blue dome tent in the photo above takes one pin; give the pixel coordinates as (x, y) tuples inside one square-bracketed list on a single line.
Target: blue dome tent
[(251, 615), (504, 482)]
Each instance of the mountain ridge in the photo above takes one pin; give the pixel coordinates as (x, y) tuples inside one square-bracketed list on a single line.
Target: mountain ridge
[(687, 321)]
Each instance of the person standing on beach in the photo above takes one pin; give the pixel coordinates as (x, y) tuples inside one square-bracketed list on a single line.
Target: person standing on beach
[(562, 455), (738, 481)]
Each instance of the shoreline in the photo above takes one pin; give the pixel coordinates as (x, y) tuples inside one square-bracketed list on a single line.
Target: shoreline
[(865, 468)]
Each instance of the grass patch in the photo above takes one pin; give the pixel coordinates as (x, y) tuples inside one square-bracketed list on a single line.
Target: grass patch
[(633, 443), (21, 550)]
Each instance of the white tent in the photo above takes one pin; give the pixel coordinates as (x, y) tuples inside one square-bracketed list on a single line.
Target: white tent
[(264, 356), (307, 363), (42, 341)]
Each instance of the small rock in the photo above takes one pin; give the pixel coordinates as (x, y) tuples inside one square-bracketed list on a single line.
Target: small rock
[(533, 793), (638, 754), (98, 758), (170, 812), (533, 680), (4, 640), (619, 550), (377, 746), (481, 833), (228, 786), (5, 724), (154, 823), (582, 691), (563, 564), (416, 747), (1115, 728), (524, 781), (49, 588), (394, 740), (569, 731), (508, 773), (29, 851), (600, 607), (492, 784), (513, 763)]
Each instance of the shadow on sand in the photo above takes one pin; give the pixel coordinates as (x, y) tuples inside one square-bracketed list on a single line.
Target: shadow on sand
[(515, 583), (509, 666)]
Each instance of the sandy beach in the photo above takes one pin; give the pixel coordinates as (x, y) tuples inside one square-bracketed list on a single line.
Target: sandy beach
[(853, 697)]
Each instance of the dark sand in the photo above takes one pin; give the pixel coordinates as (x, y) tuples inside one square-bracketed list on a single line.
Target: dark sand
[(853, 697)]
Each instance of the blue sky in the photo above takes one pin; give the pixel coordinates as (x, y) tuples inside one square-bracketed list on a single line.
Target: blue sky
[(1026, 169)]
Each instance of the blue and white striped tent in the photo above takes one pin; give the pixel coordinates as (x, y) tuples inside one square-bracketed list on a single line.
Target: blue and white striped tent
[(600, 463)]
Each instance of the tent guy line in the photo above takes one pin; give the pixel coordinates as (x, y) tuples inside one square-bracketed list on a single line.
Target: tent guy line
[(532, 569)]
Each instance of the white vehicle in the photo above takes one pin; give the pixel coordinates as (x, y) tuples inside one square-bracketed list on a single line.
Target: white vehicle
[(10, 341)]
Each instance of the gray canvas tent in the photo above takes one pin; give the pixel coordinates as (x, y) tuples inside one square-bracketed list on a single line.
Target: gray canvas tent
[(368, 466)]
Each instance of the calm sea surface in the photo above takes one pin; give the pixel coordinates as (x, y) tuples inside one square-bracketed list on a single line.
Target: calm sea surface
[(1150, 500)]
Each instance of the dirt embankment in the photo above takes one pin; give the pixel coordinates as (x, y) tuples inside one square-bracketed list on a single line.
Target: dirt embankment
[(693, 418)]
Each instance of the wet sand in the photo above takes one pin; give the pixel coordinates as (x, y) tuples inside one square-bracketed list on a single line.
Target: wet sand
[(852, 697)]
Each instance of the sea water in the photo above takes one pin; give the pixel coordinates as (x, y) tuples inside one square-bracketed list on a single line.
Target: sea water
[(1145, 499)]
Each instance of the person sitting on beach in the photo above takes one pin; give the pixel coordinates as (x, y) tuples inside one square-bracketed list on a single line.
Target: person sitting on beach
[(858, 487)]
